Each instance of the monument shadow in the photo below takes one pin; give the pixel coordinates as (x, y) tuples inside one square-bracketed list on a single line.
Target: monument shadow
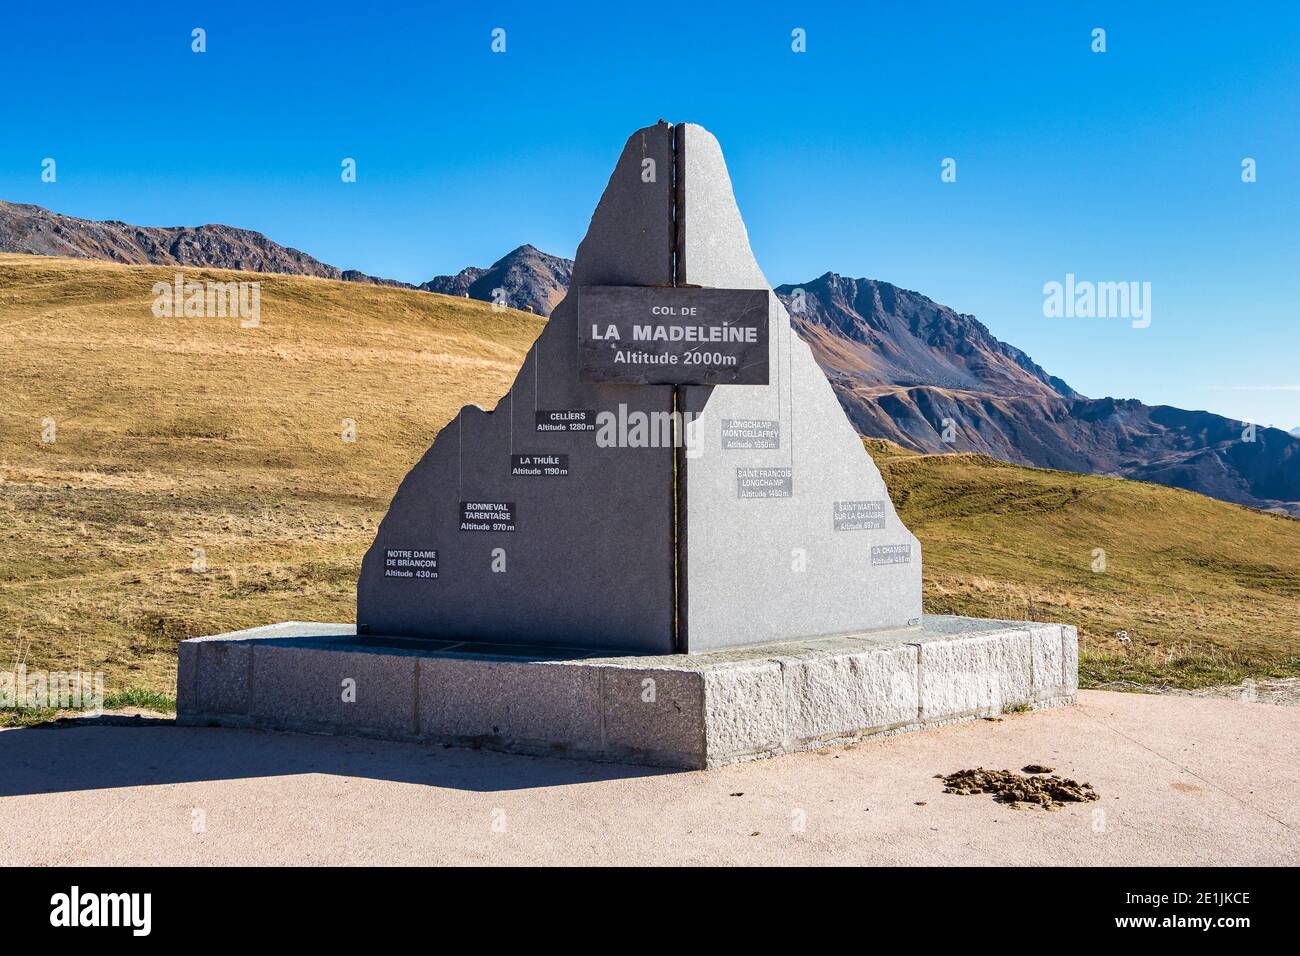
[(109, 752)]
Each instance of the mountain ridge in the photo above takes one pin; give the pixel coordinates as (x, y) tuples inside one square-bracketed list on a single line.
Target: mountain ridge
[(524, 278), (36, 230), (912, 340), (904, 367)]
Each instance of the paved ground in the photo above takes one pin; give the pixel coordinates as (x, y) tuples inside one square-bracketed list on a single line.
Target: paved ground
[(1183, 780)]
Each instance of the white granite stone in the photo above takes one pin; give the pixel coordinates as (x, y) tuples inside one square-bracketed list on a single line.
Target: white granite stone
[(1048, 650), (976, 675), (837, 695), (744, 710), (769, 570)]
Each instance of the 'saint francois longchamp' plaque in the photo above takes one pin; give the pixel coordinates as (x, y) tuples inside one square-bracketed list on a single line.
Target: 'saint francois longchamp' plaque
[(641, 335)]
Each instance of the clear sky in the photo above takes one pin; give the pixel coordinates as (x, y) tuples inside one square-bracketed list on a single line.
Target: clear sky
[(1115, 166)]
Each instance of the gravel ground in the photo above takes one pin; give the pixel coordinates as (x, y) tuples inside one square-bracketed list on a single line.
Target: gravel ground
[(1181, 779)]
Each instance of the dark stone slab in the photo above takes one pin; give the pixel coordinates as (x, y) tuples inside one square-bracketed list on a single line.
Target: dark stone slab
[(590, 560)]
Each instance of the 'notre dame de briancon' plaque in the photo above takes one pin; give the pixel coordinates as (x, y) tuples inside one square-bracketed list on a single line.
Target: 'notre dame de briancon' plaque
[(636, 335)]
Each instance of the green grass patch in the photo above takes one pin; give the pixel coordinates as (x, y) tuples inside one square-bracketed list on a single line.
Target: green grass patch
[(26, 716), (134, 697), (142, 698)]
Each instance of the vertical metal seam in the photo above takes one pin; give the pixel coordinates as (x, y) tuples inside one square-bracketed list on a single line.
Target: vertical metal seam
[(681, 636)]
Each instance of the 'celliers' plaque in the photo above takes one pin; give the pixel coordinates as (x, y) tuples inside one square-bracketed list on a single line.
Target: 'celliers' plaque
[(644, 335)]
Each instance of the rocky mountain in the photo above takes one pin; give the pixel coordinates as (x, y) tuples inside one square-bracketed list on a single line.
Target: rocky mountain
[(33, 229), (934, 380), (875, 332), (530, 280)]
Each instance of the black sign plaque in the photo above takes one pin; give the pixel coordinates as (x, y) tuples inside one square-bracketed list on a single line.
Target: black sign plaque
[(567, 420), (487, 516), (411, 563), (539, 466), (644, 335)]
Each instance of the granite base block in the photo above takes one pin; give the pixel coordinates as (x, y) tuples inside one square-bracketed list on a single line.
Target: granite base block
[(687, 711)]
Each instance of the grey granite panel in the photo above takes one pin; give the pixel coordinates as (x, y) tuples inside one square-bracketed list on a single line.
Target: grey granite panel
[(187, 677), (342, 691), (655, 711), (221, 686), (541, 703), (776, 568)]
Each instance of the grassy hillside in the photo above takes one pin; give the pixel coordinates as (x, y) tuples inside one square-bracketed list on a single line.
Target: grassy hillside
[(1204, 591), (175, 436), (182, 434)]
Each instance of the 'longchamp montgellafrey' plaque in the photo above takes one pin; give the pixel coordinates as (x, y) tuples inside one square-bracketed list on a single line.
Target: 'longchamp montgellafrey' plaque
[(644, 335), (748, 434)]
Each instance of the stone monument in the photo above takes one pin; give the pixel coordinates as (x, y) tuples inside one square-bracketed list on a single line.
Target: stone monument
[(664, 545), (670, 471)]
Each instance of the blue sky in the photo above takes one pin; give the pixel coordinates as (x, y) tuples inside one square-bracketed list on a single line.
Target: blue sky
[(1115, 166)]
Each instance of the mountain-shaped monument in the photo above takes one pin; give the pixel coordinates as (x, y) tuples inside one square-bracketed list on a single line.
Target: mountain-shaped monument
[(664, 545), (669, 472)]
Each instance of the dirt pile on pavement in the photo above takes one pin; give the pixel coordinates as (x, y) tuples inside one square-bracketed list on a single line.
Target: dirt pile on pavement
[(1049, 792)]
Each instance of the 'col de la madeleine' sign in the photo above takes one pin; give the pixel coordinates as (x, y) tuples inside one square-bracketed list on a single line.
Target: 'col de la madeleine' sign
[(639, 335)]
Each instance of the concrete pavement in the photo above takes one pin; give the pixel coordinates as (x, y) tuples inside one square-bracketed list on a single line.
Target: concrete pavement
[(1182, 781)]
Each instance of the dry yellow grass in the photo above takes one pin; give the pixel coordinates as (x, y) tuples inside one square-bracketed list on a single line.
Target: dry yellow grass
[(175, 436), (179, 434), (1165, 585)]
